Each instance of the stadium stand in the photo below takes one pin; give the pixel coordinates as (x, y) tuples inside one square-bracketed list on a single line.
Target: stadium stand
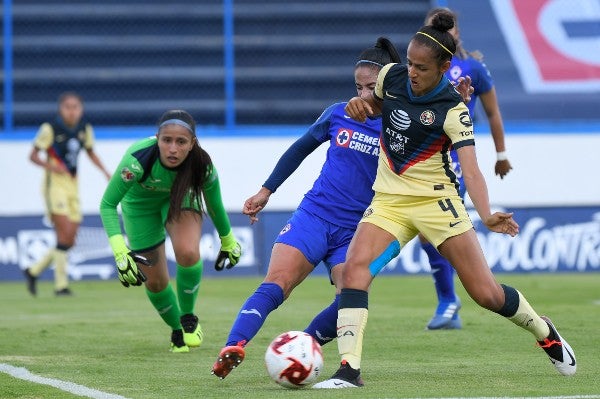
[(132, 59)]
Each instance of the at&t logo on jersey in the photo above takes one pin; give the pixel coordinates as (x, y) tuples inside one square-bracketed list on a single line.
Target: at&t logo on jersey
[(357, 141), (399, 119)]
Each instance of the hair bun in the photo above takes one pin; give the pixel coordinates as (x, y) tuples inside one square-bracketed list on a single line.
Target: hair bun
[(443, 21)]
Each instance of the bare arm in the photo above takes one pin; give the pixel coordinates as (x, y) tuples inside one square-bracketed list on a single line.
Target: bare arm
[(500, 222), (96, 161), (489, 102), (34, 157)]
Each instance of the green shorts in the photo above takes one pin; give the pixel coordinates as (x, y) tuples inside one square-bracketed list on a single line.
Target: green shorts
[(437, 218), (144, 222)]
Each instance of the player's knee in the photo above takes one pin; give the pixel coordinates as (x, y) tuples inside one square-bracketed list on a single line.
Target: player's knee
[(287, 281), (187, 256), (489, 299), (156, 284)]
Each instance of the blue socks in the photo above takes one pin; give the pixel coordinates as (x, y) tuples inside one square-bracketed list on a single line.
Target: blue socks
[(442, 273), (323, 326), (266, 298)]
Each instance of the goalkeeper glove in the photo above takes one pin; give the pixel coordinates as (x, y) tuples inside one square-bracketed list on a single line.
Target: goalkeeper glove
[(126, 261), (229, 254)]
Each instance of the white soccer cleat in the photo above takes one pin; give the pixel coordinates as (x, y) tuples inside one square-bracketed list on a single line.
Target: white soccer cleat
[(558, 350), (345, 377)]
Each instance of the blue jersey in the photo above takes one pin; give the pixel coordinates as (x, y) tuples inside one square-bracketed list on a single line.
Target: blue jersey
[(343, 190), (482, 82), (480, 76)]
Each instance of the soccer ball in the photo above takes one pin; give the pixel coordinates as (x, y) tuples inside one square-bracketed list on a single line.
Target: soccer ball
[(294, 359)]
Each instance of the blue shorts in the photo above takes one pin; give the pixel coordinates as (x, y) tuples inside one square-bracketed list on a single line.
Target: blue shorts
[(462, 190), (317, 239)]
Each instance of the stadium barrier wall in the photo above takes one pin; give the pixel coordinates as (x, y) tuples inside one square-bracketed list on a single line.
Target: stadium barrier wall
[(555, 199), (552, 240)]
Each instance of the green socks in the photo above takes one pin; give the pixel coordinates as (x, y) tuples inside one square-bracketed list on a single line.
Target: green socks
[(188, 284), (165, 303)]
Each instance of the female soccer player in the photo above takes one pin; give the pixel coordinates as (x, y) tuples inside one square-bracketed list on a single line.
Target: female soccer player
[(160, 183), (322, 226), (62, 140), (416, 190), (463, 64)]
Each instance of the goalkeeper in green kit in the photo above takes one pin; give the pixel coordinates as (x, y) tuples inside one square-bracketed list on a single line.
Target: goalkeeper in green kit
[(160, 184)]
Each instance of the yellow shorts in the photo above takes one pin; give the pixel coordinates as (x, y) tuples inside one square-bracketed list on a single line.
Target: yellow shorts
[(404, 216), (61, 193)]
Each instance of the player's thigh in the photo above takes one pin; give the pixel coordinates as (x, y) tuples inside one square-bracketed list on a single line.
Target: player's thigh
[(288, 267), (466, 256), (62, 197), (185, 234)]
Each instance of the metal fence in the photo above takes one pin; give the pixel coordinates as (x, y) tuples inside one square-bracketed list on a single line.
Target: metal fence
[(242, 62)]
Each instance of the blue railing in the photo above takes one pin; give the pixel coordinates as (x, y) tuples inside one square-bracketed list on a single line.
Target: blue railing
[(8, 79)]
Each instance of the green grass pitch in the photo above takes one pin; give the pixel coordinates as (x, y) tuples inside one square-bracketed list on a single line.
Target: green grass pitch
[(109, 338)]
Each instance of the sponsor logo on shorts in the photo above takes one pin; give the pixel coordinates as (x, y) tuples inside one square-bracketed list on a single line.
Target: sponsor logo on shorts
[(285, 229), (452, 224), (368, 212)]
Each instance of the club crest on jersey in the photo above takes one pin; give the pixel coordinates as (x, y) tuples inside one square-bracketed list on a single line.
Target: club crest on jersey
[(343, 137), (285, 229), (127, 175), (427, 117)]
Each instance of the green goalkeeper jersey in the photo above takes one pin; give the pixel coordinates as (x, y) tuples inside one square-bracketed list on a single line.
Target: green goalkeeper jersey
[(142, 184)]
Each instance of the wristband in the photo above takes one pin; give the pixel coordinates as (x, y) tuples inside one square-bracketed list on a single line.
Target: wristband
[(501, 156)]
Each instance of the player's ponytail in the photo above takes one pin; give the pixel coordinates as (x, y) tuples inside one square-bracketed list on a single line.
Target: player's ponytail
[(382, 53)]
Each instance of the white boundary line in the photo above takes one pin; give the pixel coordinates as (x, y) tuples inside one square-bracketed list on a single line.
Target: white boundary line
[(80, 390), (76, 389)]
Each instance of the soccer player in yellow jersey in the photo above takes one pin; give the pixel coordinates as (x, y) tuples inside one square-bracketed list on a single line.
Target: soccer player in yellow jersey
[(62, 140), (416, 190)]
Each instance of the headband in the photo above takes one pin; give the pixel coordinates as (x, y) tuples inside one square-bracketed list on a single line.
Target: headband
[(177, 122), (434, 39), (369, 62)]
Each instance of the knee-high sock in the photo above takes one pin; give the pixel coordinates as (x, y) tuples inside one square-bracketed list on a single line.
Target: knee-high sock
[(442, 273), (61, 280), (519, 311), (351, 323), (252, 315), (42, 264), (188, 285), (165, 303), (323, 326)]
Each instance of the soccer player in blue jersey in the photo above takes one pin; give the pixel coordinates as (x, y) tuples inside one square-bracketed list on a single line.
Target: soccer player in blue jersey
[(416, 190), (463, 64), (322, 226)]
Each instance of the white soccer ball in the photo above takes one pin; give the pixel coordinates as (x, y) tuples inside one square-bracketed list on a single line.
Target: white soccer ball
[(294, 359)]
